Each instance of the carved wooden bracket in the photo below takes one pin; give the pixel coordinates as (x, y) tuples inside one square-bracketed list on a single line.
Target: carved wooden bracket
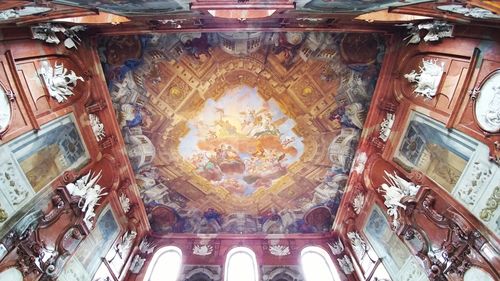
[(95, 107), (387, 106), (107, 142)]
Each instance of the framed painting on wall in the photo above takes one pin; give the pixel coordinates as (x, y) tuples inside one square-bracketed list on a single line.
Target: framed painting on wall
[(456, 162), (99, 241), (427, 146), (395, 255), (46, 154)]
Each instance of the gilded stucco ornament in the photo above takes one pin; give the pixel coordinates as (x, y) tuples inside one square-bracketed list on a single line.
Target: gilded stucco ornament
[(393, 192), (202, 250), (427, 79), (58, 81), (279, 250), (89, 192)]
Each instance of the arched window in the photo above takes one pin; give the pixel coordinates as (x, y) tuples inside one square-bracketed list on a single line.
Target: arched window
[(318, 265), (241, 265), (165, 265)]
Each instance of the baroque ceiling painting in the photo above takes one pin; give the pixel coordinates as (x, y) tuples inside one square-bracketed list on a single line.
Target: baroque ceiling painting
[(249, 132)]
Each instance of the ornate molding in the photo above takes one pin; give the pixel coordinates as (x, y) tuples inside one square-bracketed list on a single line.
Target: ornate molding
[(450, 252), (491, 205)]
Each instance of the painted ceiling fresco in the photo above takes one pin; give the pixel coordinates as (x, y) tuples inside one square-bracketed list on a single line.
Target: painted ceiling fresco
[(241, 132), (241, 142), (152, 7)]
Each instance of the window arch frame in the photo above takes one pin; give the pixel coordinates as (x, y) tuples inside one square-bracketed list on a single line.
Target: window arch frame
[(156, 258), (245, 250), (334, 272)]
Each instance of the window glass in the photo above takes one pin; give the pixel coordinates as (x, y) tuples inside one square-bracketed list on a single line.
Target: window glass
[(165, 265), (317, 265), (241, 265)]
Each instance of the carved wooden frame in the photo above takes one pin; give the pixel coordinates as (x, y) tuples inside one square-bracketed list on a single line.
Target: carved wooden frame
[(453, 256)]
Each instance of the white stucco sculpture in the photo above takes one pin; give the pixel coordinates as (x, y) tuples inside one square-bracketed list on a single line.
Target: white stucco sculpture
[(89, 192), (472, 12), (358, 244), (48, 32), (58, 81), (435, 30), (427, 79), (358, 202), (124, 202), (97, 127), (346, 264), (202, 250), (393, 191), (386, 126), (336, 247), (279, 250)]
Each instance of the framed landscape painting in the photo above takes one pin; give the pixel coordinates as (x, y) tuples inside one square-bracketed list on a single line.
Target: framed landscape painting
[(46, 154)]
